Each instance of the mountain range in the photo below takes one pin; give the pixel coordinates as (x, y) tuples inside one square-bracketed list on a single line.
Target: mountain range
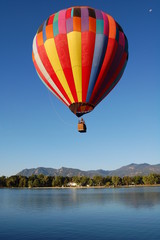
[(129, 170)]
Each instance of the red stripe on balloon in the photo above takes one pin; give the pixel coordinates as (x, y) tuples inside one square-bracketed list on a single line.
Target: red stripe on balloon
[(47, 65), (112, 79), (64, 57), (108, 59), (88, 44), (68, 13), (113, 68), (46, 82)]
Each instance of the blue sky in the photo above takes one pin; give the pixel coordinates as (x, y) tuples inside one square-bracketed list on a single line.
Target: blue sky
[(38, 130)]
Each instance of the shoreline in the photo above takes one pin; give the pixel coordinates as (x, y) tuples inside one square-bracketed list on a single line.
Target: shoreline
[(85, 187)]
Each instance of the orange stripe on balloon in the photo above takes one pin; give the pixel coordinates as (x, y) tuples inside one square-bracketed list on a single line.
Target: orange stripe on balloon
[(77, 24), (112, 27), (92, 24), (49, 31), (40, 38)]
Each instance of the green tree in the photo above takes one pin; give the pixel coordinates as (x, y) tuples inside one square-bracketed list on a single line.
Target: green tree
[(58, 181), (90, 182), (137, 180), (41, 179), (76, 179), (108, 181), (23, 181), (66, 181), (84, 181), (157, 178), (3, 181), (150, 179), (36, 183), (145, 180), (30, 183), (12, 181), (108, 184), (116, 181), (31, 180), (98, 180), (47, 181), (126, 180)]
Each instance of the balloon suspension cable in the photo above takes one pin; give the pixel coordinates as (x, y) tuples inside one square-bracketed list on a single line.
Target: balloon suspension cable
[(57, 113)]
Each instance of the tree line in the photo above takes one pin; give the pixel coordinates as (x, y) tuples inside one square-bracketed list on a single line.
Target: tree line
[(60, 181)]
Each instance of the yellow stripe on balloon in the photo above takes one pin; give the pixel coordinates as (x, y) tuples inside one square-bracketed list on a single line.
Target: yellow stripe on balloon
[(74, 45), (52, 54)]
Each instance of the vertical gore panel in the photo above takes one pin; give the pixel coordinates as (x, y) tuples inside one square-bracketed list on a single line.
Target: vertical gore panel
[(40, 38), (77, 24), (43, 70), (92, 24), (74, 44), (99, 26), (44, 32), (47, 84), (109, 55), (106, 25), (49, 31), (50, 19), (84, 20), (63, 54), (98, 14), (69, 25), (91, 12), (68, 13), (62, 22), (99, 53), (115, 80), (55, 25), (77, 12), (88, 43), (48, 67), (72, 12), (54, 60), (114, 66), (112, 27)]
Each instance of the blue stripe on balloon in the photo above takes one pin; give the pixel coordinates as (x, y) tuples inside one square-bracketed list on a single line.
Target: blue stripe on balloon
[(99, 53), (55, 28), (126, 44), (72, 12), (99, 26), (55, 24), (117, 34), (44, 32)]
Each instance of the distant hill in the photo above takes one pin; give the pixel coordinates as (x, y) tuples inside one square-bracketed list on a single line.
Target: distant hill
[(129, 170)]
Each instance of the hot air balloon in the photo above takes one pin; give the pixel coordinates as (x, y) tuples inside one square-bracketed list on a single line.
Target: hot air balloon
[(80, 54)]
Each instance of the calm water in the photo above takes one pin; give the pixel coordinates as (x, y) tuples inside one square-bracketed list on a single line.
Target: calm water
[(80, 214)]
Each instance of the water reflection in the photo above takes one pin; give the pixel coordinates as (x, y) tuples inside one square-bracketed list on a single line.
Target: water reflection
[(69, 198)]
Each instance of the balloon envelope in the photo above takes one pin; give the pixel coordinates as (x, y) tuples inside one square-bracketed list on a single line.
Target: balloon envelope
[(80, 54)]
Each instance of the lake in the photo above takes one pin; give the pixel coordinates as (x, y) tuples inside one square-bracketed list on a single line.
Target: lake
[(123, 213)]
